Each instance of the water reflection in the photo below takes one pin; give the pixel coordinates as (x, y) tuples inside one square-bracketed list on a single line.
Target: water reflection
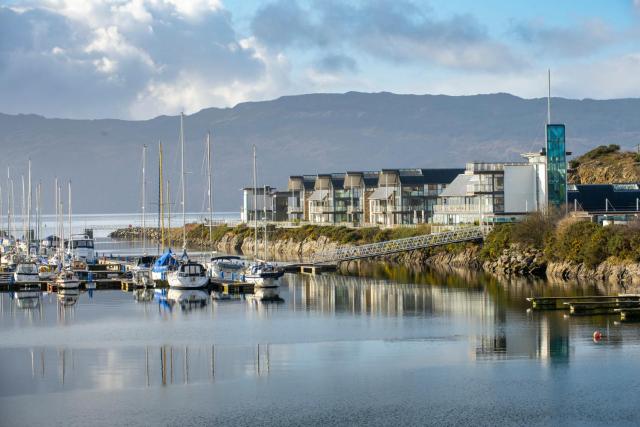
[(27, 299), (68, 297), (144, 294), (310, 322), (49, 369), (188, 299)]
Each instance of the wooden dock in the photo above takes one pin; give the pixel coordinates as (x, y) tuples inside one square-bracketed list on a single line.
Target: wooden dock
[(230, 287), (628, 314), (563, 303)]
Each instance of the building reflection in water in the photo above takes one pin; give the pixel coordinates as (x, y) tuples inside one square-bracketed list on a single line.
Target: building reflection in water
[(342, 294), (54, 369), (494, 313)]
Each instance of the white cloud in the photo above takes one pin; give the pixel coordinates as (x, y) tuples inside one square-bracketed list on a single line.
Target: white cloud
[(140, 57)]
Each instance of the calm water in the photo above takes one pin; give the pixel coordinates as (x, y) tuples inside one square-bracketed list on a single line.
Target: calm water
[(405, 349)]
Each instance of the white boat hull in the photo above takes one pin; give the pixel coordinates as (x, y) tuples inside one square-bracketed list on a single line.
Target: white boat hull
[(187, 282), (19, 278), (261, 282), (68, 284)]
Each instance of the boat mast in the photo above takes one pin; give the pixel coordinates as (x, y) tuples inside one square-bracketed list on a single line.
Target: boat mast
[(38, 213), (264, 201), (144, 185), (55, 198), (182, 182), (255, 206), (160, 201), (11, 206), (70, 217), (29, 208), (22, 211), (209, 192), (8, 202), (61, 219), (169, 212)]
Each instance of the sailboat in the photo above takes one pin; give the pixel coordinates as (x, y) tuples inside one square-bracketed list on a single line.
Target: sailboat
[(141, 270), (166, 262), (261, 273), (189, 274), (66, 278)]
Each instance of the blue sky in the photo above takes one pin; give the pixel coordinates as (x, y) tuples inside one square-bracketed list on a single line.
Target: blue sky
[(141, 58)]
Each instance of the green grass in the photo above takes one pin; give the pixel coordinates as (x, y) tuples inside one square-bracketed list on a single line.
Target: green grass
[(338, 234)]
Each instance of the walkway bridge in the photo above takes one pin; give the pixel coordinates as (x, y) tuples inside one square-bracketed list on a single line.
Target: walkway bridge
[(347, 253)]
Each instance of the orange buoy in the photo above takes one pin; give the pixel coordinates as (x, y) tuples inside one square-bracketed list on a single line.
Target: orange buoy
[(597, 336)]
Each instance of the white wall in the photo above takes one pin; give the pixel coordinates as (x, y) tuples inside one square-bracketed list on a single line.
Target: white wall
[(519, 188)]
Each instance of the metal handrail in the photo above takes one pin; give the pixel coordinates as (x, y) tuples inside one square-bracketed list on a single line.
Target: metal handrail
[(346, 253)]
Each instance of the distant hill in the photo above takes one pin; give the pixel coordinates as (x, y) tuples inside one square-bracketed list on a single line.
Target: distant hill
[(295, 135), (605, 164)]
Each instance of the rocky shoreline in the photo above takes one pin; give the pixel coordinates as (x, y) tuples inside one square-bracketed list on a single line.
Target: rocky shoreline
[(517, 260)]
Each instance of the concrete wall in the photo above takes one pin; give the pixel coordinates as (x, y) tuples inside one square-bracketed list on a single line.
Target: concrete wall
[(519, 188)]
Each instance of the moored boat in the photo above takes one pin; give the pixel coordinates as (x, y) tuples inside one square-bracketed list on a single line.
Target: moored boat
[(263, 275), (67, 279), (81, 248), (226, 268), (26, 272), (163, 266), (189, 275)]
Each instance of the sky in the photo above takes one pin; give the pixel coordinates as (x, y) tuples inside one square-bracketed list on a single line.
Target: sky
[(137, 59)]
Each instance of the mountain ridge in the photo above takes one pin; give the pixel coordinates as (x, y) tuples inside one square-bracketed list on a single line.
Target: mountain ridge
[(298, 134)]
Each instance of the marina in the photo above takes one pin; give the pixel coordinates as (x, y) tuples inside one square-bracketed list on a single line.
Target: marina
[(425, 334)]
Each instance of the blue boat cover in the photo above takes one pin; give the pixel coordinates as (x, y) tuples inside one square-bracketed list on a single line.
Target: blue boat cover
[(166, 260)]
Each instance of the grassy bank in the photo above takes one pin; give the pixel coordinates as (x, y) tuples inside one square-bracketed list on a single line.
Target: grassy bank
[(566, 239), (338, 234)]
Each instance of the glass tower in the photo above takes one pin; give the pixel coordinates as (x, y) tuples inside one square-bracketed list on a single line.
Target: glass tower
[(556, 166)]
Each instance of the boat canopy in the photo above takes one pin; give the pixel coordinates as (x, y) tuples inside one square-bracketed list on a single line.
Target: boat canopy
[(228, 257), (165, 260), (191, 269)]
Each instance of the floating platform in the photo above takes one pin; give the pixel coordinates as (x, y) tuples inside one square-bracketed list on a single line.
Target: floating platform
[(562, 303), (600, 307), (316, 268), (229, 287), (629, 314)]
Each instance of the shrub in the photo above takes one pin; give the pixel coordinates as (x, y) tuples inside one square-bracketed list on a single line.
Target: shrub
[(600, 151)]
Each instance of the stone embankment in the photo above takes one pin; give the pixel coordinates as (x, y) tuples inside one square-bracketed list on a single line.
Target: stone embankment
[(516, 260), (610, 271)]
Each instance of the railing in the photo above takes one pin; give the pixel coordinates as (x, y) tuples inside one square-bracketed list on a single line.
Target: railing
[(294, 209), (445, 209), (484, 188), (346, 253)]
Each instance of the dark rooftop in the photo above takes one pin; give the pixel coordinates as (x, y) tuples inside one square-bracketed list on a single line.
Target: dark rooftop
[(604, 197)]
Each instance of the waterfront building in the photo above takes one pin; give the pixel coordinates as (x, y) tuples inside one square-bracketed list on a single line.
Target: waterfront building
[(507, 191), (387, 197), (300, 187), (494, 192), (276, 204), (408, 196), (605, 203)]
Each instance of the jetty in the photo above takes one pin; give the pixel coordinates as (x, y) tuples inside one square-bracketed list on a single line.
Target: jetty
[(625, 305)]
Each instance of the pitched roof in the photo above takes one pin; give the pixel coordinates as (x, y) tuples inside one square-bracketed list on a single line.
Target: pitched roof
[(458, 187)]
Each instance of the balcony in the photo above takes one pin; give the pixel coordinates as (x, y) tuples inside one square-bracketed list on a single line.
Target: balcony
[(470, 209), (484, 188), (354, 210), (295, 209)]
